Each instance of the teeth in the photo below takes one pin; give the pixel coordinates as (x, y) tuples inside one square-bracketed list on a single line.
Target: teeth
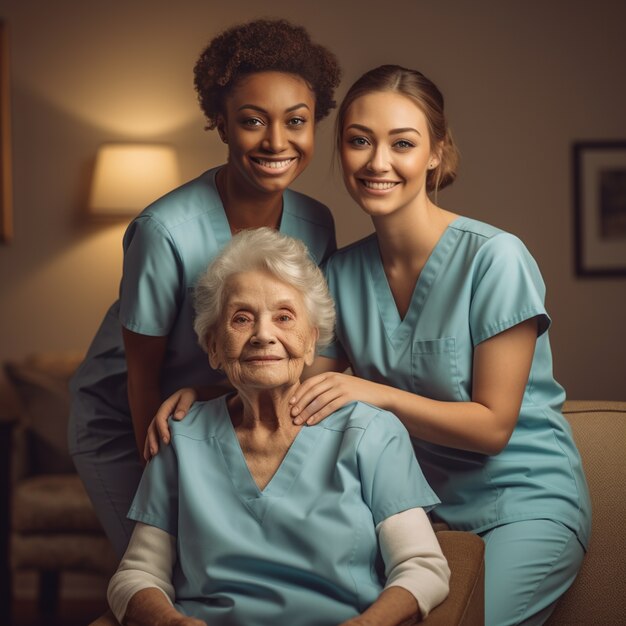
[(372, 185), (275, 165)]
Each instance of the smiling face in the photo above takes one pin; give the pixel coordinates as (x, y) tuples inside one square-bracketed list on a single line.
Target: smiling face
[(263, 338), (269, 125), (386, 152)]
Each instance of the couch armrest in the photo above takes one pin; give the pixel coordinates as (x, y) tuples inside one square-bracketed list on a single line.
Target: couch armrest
[(599, 429), (465, 606), (593, 406)]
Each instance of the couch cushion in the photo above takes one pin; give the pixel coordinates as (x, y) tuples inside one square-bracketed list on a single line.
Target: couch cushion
[(40, 383), (51, 504)]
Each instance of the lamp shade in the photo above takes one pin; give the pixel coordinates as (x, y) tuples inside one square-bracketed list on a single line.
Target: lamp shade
[(128, 177)]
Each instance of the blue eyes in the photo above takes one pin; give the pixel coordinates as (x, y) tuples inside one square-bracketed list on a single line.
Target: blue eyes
[(363, 142), (359, 142)]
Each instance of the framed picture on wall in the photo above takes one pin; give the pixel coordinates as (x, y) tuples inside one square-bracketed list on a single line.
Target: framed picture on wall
[(600, 207), (6, 191)]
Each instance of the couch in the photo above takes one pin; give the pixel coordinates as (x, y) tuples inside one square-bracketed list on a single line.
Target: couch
[(33, 418), (47, 523)]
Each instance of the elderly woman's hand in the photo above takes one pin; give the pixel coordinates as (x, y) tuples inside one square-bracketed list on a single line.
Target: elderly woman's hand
[(177, 406), (395, 607), (150, 607)]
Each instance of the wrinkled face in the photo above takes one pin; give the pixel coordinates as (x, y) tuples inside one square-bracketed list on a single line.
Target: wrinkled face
[(264, 337), (269, 126), (386, 152)]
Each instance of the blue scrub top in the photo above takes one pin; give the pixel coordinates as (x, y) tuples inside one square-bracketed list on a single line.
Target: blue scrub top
[(166, 248), (477, 282), (304, 549)]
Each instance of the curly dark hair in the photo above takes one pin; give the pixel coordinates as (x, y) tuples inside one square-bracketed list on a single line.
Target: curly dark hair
[(263, 46)]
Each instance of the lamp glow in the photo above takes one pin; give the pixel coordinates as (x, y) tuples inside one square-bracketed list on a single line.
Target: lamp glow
[(128, 177)]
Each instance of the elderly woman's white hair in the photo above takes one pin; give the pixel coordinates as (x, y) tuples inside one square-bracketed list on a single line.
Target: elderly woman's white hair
[(284, 257)]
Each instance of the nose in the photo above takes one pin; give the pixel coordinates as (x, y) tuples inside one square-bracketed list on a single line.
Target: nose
[(263, 333), (275, 139), (379, 159)]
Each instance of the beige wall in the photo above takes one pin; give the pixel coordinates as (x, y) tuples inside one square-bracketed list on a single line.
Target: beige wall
[(523, 79)]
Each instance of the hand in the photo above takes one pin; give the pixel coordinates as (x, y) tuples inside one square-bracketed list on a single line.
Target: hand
[(319, 396), (176, 406), (149, 607)]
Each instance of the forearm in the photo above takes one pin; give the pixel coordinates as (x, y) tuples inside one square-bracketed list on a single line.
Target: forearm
[(413, 558), (149, 607), (500, 371), (144, 399), (144, 359), (394, 607), (464, 425), (147, 564), (501, 367)]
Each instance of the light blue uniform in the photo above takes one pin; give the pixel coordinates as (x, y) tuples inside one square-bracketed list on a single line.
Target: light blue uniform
[(304, 549), (166, 248), (478, 282)]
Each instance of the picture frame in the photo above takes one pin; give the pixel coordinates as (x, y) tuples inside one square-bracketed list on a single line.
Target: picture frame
[(6, 184), (599, 169)]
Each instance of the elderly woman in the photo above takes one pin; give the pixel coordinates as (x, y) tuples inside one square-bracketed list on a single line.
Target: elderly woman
[(247, 518)]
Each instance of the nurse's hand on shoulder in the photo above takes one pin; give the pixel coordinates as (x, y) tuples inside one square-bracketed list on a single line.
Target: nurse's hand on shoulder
[(176, 406), (319, 396)]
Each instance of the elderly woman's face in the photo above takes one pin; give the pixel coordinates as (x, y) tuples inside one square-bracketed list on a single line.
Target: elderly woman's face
[(263, 338)]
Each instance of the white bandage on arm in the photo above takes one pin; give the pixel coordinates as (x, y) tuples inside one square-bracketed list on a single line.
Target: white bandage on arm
[(147, 562), (413, 558)]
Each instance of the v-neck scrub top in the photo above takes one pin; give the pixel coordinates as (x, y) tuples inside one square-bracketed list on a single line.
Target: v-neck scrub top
[(304, 549), (166, 248), (477, 282)]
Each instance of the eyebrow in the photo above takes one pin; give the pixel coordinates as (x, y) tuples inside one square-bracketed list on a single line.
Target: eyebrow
[(393, 131), (278, 304), (300, 105)]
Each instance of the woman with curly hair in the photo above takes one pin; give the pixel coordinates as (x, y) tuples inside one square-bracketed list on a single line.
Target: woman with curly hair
[(263, 85)]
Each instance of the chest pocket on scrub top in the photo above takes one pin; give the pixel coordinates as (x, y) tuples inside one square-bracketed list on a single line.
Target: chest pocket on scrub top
[(435, 370)]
